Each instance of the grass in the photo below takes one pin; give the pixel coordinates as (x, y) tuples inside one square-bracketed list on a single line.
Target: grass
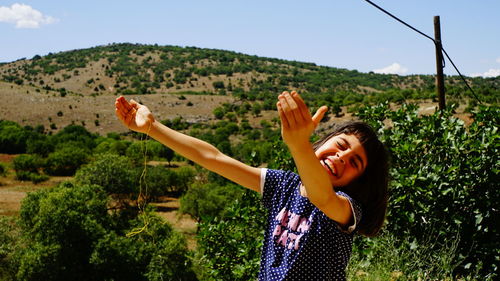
[(391, 258)]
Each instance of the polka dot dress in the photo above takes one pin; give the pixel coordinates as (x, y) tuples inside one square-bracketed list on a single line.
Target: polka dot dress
[(300, 242)]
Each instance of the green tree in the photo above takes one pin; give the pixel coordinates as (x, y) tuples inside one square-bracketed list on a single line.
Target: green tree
[(208, 200), (12, 137), (444, 178), (69, 234), (230, 245), (66, 160), (112, 172)]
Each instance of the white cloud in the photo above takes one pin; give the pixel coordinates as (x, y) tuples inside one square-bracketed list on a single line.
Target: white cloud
[(394, 68), (490, 73), (24, 16)]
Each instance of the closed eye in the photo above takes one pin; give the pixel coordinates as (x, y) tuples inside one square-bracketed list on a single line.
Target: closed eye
[(341, 146), (355, 164)]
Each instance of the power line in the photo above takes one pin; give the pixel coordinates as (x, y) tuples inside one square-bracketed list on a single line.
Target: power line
[(432, 39)]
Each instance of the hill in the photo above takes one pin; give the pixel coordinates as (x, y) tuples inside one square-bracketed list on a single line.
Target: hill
[(79, 86)]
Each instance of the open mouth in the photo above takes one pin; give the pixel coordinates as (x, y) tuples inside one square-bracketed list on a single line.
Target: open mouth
[(329, 168)]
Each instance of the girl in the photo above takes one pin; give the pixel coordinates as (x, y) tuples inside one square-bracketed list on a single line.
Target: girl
[(340, 189)]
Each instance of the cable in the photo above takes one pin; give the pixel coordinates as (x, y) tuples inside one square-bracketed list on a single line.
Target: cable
[(461, 76), (401, 21), (432, 39)]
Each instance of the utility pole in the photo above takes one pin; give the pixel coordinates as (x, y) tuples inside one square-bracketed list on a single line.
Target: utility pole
[(439, 63)]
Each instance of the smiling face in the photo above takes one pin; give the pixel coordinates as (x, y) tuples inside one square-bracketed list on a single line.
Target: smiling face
[(343, 158)]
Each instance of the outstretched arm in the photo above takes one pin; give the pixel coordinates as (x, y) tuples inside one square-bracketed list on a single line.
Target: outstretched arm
[(138, 118), (297, 125)]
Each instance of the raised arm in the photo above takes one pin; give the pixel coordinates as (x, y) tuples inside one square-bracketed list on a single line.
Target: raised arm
[(138, 118), (297, 125)]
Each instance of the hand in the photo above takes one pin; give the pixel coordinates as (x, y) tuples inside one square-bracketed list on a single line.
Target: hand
[(133, 115), (297, 124)]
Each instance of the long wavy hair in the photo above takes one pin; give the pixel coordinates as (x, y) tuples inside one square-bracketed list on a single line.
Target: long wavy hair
[(371, 188)]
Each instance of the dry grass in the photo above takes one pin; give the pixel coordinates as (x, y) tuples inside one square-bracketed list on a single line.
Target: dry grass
[(25, 106)]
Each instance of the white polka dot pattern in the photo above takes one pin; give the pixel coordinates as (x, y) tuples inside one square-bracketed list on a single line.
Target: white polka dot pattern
[(301, 242)]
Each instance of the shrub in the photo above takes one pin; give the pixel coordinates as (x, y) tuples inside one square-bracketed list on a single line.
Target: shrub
[(157, 181), (139, 151), (3, 169), (27, 163), (230, 245), (9, 244), (76, 134), (41, 146), (444, 177), (65, 160), (113, 146), (112, 172), (208, 200), (30, 176), (12, 137), (69, 234)]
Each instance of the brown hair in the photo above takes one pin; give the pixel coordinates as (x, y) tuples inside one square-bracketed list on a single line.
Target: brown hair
[(371, 188)]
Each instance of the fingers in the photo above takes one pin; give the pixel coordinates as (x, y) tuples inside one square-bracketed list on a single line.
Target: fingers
[(288, 107), (284, 119), (124, 110), (294, 108), (304, 111), (318, 116)]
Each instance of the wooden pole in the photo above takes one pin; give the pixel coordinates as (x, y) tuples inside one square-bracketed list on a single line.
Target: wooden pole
[(439, 63)]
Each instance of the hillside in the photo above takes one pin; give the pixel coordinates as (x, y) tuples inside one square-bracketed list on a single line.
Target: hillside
[(79, 86)]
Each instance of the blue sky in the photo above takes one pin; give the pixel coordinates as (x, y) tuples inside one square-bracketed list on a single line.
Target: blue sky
[(347, 34)]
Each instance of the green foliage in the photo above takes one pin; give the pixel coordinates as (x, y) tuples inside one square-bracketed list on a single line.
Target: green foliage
[(9, 244), (391, 258), (230, 245), (3, 169), (42, 145), (162, 181), (111, 145), (112, 172), (141, 151), (12, 137), (209, 200), (253, 152), (28, 168), (66, 160), (69, 234), (444, 177), (219, 112), (142, 69), (27, 163), (77, 135)]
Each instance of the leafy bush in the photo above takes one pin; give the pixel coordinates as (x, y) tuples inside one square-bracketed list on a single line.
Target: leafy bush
[(75, 134), (110, 145), (139, 151), (112, 172), (9, 243), (66, 160), (30, 176), (3, 169), (69, 234), (28, 168), (208, 200), (27, 163), (230, 245), (444, 177), (41, 146), (12, 137)]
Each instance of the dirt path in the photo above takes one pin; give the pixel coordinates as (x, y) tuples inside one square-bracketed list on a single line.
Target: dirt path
[(168, 209)]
